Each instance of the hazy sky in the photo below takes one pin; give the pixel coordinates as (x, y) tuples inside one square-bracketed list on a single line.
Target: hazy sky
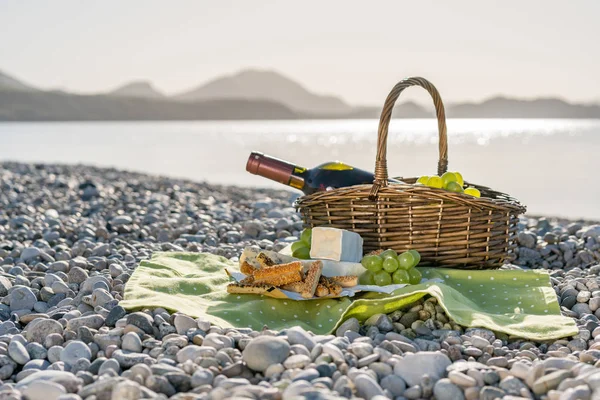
[(470, 49)]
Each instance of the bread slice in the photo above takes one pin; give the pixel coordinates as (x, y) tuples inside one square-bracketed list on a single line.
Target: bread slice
[(312, 279), (247, 280), (321, 290), (345, 281), (236, 288), (247, 269), (279, 275), (294, 287)]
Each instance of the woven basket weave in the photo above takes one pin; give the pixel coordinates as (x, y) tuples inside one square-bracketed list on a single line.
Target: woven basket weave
[(448, 229)]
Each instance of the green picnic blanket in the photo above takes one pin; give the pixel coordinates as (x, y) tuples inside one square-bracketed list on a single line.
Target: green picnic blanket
[(518, 303)]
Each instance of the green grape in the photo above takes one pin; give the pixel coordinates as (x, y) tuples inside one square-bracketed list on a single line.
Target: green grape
[(382, 278), (306, 236), (372, 262), (366, 278), (388, 253), (299, 244), (407, 260), (471, 191), (459, 178), (454, 187), (435, 182), (390, 264), (415, 276), (448, 177), (423, 180), (401, 276), (302, 253), (416, 255)]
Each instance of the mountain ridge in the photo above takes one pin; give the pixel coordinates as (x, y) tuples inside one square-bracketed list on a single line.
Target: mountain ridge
[(10, 83), (270, 96), (140, 89), (259, 84)]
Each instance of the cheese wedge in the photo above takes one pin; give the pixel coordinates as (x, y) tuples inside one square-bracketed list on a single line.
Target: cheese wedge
[(336, 245)]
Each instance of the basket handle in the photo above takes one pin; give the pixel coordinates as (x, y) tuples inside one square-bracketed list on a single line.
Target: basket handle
[(381, 173)]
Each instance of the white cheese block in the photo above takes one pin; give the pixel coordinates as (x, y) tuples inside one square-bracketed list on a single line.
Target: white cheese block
[(336, 244)]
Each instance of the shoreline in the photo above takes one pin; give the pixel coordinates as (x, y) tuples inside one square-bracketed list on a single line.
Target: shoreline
[(71, 236)]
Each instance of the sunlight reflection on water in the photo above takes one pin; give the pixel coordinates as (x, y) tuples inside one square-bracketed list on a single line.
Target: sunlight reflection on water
[(548, 164)]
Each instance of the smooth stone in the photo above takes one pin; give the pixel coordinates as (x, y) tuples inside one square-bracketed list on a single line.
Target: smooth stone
[(296, 361), (444, 389), (76, 275), (263, 351), (142, 321), (297, 335), (126, 390), (5, 285), (18, 352), (550, 381), (367, 387), (131, 342), (277, 369), (22, 298), (43, 390), (110, 364), (479, 342), (218, 342), (183, 323), (115, 314), (100, 297), (29, 253), (394, 384), (191, 352), (54, 353), (94, 321), (462, 380), (36, 364), (309, 374), (413, 366), (335, 353), (491, 393), (513, 386), (361, 350), (202, 377), (350, 324), (75, 351), (127, 359), (66, 379)]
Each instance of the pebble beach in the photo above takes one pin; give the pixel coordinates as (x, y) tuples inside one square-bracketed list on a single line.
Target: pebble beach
[(71, 237)]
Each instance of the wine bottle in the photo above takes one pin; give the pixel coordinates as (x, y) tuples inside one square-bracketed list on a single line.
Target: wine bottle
[(327, 176)]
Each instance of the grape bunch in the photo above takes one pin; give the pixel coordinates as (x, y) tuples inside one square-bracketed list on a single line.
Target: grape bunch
[(451, 181), (389, 267), (301, 248)]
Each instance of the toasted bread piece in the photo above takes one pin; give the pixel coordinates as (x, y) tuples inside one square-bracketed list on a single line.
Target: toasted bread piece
[(335, 289), (321, 290), (264, 260), (279, 275), (247, 280), (294, 287), (345, 281), (312, 279), (247, 269), (236, 288)]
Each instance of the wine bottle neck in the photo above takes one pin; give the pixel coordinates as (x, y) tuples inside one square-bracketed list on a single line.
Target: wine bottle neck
[(276, 169)]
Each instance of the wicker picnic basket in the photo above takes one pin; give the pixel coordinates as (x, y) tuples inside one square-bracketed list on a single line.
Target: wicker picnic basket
[(448, 229)]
